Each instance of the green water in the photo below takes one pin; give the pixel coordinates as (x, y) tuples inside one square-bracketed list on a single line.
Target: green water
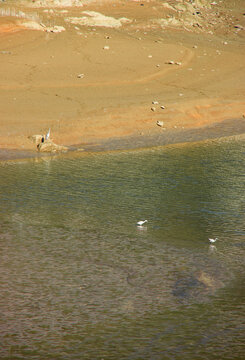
[(79, 279)]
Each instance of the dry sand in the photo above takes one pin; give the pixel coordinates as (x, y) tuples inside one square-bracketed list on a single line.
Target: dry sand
[(91, 71)]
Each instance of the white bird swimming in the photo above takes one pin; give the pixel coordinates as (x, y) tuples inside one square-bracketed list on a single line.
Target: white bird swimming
[(141, 222), (47, 135), (213, 240)]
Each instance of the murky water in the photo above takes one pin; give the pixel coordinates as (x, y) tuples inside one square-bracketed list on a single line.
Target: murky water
[(79, 279)]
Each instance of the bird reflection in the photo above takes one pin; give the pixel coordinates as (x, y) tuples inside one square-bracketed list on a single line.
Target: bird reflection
[(142, 228), (212, 249)]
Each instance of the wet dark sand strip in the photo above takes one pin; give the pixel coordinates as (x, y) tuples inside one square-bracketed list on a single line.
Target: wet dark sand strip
[(162, 138), (168, 137)]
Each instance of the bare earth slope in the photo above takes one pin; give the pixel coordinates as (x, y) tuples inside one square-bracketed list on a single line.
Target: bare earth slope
[(92, 70)]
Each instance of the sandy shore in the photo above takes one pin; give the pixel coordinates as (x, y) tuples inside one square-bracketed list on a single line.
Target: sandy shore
[(107, 70)]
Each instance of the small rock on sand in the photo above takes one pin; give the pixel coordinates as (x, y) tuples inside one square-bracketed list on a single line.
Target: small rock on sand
[(46, 145), (36, 139), (171, 62), (50, 146), (55, 29), (160, 123)]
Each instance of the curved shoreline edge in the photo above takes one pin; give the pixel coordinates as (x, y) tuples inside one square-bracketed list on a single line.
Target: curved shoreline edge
[(226, 129)]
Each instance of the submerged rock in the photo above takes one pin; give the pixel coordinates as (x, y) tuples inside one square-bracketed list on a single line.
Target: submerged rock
[(196, 287), (187, 287)]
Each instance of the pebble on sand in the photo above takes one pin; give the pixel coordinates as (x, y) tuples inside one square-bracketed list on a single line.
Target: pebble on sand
[(160, 123), (171, 62)]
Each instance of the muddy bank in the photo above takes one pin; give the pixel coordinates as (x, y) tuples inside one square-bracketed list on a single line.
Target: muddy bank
[(119, 68), (227, 130)]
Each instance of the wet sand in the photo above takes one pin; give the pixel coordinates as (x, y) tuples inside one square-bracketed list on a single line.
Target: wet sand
[(94, 86)]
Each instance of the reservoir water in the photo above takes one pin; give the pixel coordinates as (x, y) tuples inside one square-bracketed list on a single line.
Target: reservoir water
[(79, 279)]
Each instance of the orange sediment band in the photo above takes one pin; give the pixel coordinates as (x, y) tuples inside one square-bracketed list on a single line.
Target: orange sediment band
[(9, 28)]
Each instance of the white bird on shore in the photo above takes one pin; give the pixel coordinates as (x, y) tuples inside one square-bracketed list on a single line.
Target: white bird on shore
[(47, 135), (213, 240), (141, 222)]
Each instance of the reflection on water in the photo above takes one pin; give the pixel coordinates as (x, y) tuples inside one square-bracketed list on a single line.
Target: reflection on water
[(79, 278)]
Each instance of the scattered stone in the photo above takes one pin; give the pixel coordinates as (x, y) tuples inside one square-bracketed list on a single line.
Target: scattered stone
[(171, 62), (54, 29), (160, 123), (150, 56), (155, 102), (31, 25), (240, 27), (93, 18), (5, 52), (153, 109), (195, 47), (158, 65), (106, 47), (167, 6), (80, 76), (162, 107)]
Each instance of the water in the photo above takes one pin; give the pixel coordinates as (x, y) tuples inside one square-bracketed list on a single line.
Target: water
[(79, 279)]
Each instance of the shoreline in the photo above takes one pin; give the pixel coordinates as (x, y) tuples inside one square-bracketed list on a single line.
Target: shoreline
[(226, 129)]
